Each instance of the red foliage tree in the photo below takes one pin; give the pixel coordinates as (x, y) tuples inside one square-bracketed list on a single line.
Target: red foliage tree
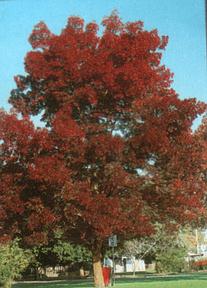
[(118, 153)]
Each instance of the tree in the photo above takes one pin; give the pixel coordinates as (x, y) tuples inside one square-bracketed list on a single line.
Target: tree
[(167, 248), (201, 134), (117, 153), (75, 256), (62, 253), (149, 247), (171, 260), (13, 260)]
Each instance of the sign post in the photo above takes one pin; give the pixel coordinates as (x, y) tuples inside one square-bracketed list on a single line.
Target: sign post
[(112, 244)]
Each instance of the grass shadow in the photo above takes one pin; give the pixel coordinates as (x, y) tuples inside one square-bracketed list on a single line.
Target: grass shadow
[(58, 284), (123, 280), (164, 278)]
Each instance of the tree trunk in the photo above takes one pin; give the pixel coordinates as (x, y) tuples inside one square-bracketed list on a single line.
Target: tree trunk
[(97, 270)]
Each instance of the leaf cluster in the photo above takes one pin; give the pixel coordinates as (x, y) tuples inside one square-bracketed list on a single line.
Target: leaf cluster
[(13, 261)]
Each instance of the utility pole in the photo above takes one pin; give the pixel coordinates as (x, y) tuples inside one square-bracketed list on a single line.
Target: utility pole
[(113, 243), (197, 241)]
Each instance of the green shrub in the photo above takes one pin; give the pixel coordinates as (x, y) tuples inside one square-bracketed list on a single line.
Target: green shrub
[(13, 260), (172, 260)]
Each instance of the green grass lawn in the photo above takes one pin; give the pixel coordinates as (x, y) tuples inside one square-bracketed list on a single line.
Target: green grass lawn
[(197, 280)]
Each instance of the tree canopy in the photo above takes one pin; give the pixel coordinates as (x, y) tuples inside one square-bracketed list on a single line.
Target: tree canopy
[(117, 153)]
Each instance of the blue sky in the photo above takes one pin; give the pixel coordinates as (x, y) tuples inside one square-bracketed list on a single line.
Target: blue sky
[(182, 20)]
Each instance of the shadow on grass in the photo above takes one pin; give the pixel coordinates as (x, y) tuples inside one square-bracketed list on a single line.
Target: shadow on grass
[(123, 280), (58, 284), (165, 278)]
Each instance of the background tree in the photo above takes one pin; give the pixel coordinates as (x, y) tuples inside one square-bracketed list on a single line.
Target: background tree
[(63, 253), (149, 247), (171, 260), (75, 259), (166, 245), (13, 261), (118, 153)]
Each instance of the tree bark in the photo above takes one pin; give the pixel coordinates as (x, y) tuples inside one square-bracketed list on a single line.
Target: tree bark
[(97, 270)]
